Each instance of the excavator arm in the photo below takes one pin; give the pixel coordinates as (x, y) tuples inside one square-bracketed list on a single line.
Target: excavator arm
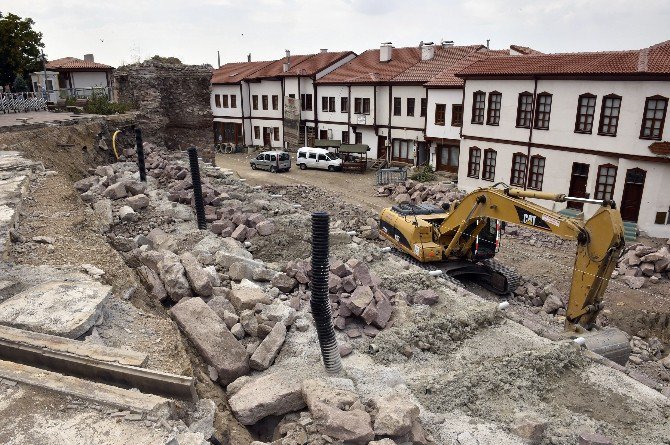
[(599, 239)]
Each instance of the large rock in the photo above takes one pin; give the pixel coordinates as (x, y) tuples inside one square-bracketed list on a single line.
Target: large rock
[(284, 283), (246, 295), (267, 351), (426, 296), (152, 283), (353, 426), (403, 198), (396, 415), (199, 279), (593, 439), (173, 276), (65, 309), (337, 392), (530, 428), (212, 339), (138, 202), (265, 228), (552, 304), (116, 191), (272, 394), (126, 213), (102, 211), (240, 270), (633, 282), (360, 299), (161, 240)]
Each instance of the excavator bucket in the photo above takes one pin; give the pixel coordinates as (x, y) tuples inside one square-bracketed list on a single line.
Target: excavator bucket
[(611, 343)]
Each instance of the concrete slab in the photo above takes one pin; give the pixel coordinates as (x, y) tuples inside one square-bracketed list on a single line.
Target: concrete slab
[(61, 308)]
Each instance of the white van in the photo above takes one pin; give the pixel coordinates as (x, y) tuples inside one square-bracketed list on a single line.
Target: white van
[(310, 157)]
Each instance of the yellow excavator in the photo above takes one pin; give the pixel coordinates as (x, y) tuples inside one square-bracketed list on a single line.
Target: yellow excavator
[(461, 238)]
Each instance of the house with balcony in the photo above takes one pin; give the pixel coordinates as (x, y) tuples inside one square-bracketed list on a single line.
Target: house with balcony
[(270, 103), (70, 77), (583, 124)]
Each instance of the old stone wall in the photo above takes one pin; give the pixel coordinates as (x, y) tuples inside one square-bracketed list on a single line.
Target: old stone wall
[(172, 102)]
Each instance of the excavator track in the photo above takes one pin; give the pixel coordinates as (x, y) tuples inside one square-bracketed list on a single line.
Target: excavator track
[(504, 279), (426, 266)]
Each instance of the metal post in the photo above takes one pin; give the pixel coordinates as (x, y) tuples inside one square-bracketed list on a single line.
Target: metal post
[(197, 188), (319, 302), (140, 154)]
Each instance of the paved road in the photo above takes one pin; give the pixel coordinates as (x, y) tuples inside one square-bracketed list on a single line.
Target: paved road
[(355, 188), (35, 117)]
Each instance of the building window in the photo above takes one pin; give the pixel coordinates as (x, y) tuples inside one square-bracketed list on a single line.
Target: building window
[(217, 100), (254, 101), (397, 105), (265, 101), (275, 132), (457, 115), (654, 117), (518, 176), (478, 104), (331, 104), (473, 162), (358, 137), (233, 101), (440, 110), (489, 171), (306, 102), (366, 105), (224, 100), (275, 102), (536, 172), (345, 137), (292, 96), (362, 105), (344, 104), (257, 132), (609, 115), (424, 106), (324, 104), (605, 182), (402, 150), (524, 110), (495, 102), (323, 134), (410, 106), (542, 111), (586, 107)]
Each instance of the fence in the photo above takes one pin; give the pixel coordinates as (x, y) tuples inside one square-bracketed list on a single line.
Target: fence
[(22, 102), (391, 175), (81, 93)]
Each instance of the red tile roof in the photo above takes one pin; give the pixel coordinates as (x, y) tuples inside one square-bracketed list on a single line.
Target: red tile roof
[(652, 60), (315, 63), (366, 68), (524, 50), (447, 77), (276, 68), (444, 57), (235, 72), (72, 63)]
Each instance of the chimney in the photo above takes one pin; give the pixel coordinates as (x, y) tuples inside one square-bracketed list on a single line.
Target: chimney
[(88, 58), (249, 57), (386, 52), (287, 64), (427, 50), (447, 43), (323, 50)]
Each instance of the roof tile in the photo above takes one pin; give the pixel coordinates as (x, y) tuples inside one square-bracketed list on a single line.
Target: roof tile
[(366, 68), (72, 63)]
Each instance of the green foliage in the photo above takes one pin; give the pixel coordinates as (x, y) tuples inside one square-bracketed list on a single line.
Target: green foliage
[(20, 85), (424, 174), (19, 48), (171, 60), (99, 103), (70, 101)]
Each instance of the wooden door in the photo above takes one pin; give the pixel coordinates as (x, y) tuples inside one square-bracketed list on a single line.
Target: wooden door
[(323, 134), (381, 147), (267, 137), (447, 158), (580, 175), (422, 154), (632, 194)]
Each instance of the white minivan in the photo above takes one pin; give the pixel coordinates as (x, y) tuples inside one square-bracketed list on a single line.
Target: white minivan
[(310, 157)]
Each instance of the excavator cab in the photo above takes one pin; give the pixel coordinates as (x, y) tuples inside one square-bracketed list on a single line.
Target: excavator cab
[(486, 241)]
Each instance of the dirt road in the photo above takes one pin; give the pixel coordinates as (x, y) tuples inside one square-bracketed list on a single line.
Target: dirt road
[(355, 188)]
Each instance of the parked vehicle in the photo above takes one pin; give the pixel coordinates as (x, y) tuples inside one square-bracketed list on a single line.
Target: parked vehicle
[(274, 161), (310, 157)]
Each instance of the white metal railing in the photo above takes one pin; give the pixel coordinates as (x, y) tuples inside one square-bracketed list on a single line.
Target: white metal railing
[(22, 102), (83, 93)]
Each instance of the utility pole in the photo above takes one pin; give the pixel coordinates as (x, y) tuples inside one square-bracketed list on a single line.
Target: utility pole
[(218, 58), (44, 67)]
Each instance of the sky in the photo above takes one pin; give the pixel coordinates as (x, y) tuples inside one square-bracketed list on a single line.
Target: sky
[(124, 31)]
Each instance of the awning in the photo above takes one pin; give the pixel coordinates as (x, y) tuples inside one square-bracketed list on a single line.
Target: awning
[(354, 148), (326, 143)]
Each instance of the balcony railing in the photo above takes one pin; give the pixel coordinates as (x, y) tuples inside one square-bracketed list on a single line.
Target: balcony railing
[(83, 93)]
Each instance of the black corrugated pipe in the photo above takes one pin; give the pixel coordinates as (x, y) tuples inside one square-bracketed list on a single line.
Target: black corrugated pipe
[(140, 155), (197, 188), (319, 302)]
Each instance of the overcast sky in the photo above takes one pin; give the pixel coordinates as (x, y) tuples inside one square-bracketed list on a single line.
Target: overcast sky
[(121, 31)]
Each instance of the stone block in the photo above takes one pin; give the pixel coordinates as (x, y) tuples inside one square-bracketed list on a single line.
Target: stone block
[(267, 351)]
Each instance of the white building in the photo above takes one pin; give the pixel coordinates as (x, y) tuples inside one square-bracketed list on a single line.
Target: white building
[(72, 77), (270, 103), (584, 124)]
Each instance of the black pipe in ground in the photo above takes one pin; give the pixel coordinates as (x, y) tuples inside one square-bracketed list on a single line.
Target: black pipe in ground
[(319, 301), (140, 155), (197, 188)]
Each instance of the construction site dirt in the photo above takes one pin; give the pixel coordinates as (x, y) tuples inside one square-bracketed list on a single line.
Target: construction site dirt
[(426, 360)]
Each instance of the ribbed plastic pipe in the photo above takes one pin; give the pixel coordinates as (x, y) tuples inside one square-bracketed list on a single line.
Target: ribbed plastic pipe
[(140, 155), (319, 301), (197, 188)]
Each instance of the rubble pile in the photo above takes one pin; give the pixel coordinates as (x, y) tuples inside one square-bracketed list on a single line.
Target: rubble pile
[(545, 297), (413, 192), (535, 238), (640, 264)]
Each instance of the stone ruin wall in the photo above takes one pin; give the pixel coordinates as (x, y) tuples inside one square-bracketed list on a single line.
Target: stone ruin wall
[(172, 102)]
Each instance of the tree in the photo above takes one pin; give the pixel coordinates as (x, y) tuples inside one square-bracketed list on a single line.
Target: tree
[(19, 48), (20, 85)]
